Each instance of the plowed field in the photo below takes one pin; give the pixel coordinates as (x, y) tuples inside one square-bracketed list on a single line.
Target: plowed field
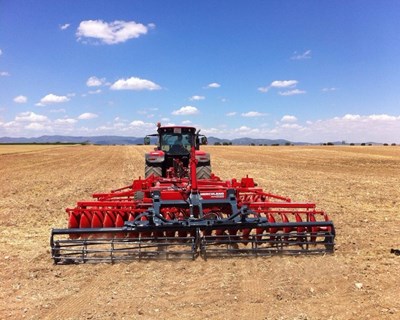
[(357, 186)]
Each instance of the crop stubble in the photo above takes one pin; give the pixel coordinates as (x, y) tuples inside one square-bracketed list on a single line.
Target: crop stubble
[(357, 186)]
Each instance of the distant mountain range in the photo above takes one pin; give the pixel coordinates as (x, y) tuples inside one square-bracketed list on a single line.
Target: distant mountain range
[(102, 140), (121, 140), (250, 141)]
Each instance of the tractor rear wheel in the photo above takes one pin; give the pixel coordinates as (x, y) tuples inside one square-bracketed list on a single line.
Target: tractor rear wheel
[(152, 170), (203, 171)]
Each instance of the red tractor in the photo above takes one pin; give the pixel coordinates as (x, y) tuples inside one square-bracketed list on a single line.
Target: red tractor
[(172, 154)]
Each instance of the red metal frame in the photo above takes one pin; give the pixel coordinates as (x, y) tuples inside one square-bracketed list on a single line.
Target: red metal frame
[(183, 209)]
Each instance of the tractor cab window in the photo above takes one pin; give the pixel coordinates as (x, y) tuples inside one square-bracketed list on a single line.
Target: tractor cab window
[(176, 143)]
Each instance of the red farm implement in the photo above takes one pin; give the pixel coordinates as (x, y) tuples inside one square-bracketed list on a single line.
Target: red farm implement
[(180, 211)]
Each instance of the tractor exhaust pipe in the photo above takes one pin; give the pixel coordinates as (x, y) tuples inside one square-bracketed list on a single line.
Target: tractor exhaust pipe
[(193, 169)]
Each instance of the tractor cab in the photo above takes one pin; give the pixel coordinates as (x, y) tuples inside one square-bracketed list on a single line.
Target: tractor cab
[(176, 140), (175, 143)]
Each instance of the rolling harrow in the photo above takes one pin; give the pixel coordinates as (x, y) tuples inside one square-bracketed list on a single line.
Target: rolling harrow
[(179, 215)]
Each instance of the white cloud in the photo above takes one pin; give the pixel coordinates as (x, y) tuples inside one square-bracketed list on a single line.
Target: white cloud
[(370, 118), (213, 85), (350, 128), (252, 114), (134, 83), (279, 84), (358, 128), (30, 117), (112, 32), (57, 110), (87, 116), (382, 128), (292, 126), (231, 114), (95, 82), (291, 92), (196, 98), (243, 128), (284, 83), (21, 99), (120, 126), (264, 89), (52, 99), (67, 121), (137, 123), (26, 122), (65, 26), (329, 89), (142, 124), (35, 126), (245, 131), (1, 52), (301, 56), (186, 122), (350, 117), (355, 128), (188, 110), (212, 131), (4, 74), (383, 117), (288, 118)]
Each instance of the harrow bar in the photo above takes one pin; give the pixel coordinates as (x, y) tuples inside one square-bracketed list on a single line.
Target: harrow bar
[(206, 238), (105, 249), (267, 244)]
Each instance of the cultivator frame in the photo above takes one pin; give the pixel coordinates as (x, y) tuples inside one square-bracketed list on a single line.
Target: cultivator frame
[(179, 217)]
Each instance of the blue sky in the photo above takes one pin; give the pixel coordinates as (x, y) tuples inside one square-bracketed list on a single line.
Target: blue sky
[(311, 71)]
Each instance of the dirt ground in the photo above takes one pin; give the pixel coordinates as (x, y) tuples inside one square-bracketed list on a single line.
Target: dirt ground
[(357, 186)]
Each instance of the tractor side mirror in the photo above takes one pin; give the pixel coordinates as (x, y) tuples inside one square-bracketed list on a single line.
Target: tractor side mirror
[(146, 141), (204, 140)]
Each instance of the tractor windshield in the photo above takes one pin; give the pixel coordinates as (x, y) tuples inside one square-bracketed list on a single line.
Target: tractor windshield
[(176, 143)]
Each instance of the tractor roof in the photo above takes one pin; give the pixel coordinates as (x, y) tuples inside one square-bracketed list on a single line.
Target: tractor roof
[(182, 127), (176, 129)]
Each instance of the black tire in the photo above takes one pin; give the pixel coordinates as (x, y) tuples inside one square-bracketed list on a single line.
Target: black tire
[(152, 170), (203, 171)]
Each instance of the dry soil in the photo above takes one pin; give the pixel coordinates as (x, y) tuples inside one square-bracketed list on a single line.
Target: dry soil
[(357, 186)]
